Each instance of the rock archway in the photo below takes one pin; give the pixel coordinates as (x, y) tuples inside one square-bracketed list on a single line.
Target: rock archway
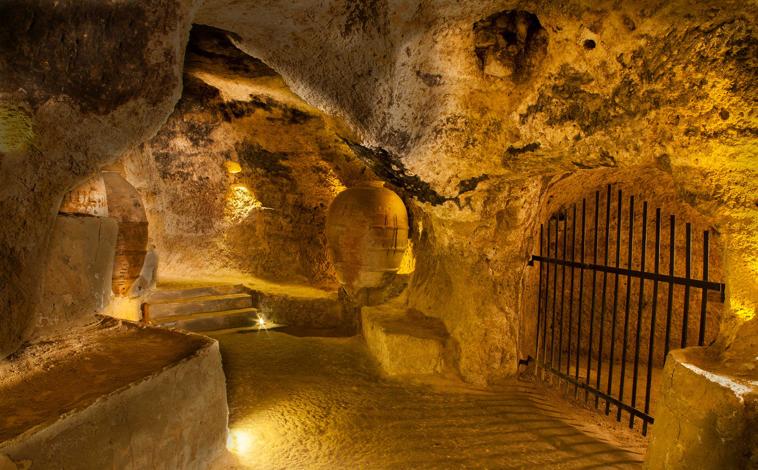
[(126, 207)]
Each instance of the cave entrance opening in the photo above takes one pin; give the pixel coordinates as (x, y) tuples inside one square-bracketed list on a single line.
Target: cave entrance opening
[(605, 326)]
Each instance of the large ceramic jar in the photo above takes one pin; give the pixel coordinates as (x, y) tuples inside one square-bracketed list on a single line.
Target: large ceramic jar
[(367, 235)]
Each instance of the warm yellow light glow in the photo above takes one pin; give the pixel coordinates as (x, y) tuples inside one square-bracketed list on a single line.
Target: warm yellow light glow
[(124, 308), (232, 167), (240, 441), (261, 322), (741, 283), (742, 311), (240, 202), (408, 263), (15, 129), (335, 184)]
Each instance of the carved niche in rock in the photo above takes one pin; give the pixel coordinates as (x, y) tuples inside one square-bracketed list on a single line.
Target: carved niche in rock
[(510, 44), (89, 198)]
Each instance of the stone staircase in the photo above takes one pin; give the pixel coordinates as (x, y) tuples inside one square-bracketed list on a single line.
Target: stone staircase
[(201, 308)]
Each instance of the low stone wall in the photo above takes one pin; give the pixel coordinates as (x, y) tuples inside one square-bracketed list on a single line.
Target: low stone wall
[(307, 312), (173, 418), (706, 418)]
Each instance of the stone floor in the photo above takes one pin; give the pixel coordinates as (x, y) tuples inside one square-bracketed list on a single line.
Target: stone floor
[(316, 403)]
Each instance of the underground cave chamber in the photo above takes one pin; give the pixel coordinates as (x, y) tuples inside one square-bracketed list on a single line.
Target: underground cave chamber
[(370, 235)]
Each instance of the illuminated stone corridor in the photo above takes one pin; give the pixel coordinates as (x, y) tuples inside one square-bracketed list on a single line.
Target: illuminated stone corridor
[(319, 403), (364, 234)]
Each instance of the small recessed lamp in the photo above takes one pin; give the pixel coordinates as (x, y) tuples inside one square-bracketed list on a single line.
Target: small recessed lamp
[(232, 167)]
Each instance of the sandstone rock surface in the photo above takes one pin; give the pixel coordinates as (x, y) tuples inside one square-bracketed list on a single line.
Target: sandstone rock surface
[(77, 278), (623, 85), (706, 416), (88, 400), (473, 111)]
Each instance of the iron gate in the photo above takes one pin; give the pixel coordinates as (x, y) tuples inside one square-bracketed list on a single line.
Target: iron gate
[(572, 329)]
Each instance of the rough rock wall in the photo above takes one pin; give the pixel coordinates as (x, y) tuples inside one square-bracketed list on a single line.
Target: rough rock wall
[(239, 178), (79, 84), (408, 76), (469, 273), (469, 124)]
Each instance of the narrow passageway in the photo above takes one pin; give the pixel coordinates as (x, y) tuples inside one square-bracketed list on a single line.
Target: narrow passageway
[(316, 403)]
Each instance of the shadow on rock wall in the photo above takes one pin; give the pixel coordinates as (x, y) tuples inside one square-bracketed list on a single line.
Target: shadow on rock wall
[(239, 179)]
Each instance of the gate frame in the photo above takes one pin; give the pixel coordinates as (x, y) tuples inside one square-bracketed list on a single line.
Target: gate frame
[(641, 274)]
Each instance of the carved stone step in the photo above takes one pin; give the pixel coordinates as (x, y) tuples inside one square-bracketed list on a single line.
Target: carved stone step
[(165, 294), (187, 306), (210, 321)]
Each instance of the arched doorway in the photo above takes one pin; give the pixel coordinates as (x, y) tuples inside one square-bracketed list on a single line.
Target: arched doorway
[(125, 205), (623, 277)]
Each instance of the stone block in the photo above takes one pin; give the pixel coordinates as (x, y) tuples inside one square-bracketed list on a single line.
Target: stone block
[(705, 417), (77, 279), (193, 305), (124, 396), (310, 312), (405, 342)]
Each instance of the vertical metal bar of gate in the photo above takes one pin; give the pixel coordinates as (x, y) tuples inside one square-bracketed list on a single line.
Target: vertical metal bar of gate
[(592, 301), (581, 291), (555, 292), (656, 271), (670, 300), (563, 288), (539, 307), (571, 294), (615, 301), (704, 299), (640, 306), (628, 301), (547, 297), (605, 289), (687, 273)]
